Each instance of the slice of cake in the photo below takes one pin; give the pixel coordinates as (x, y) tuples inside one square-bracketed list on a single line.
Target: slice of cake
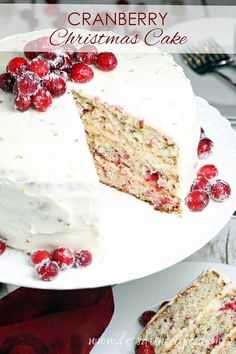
[(199, 320), (142, 128)]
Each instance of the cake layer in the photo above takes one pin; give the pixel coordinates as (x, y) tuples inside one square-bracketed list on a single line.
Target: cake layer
[(127, 153), (174, 320)]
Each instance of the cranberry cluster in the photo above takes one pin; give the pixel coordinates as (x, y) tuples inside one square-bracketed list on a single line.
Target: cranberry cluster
[(206, 185), (43, 75), (48, 265)]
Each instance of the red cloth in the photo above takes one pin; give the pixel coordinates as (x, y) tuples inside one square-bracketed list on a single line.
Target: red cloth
[(36, 321)]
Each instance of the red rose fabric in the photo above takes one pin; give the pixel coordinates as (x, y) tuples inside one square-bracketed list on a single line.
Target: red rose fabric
[(34, 321)]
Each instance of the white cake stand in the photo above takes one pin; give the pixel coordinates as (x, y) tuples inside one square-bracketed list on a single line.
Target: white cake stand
[(138, 240)]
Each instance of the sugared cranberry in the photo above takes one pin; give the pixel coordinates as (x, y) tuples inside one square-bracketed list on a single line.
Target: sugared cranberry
[(31, 49), (208, 172), (81, 73), (3, 246), (197, 200), (87, 54), (27, 84), (55, 60), (202, 133), (17, 66), (6, 82), (83, 258), (201, 183), (55, 85), (220, 190), (205, 148), (40, 256), (42, 100), (106, 61), (64, 256), (144, 347), (22, 103), (146, 317), (39, 66), (164, 303), (47, 271), (66, 63)]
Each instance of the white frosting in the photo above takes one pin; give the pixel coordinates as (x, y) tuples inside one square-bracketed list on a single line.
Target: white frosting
[(48, 184)]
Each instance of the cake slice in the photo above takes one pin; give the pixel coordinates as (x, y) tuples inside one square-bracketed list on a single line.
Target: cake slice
[(186, 320), (142, 128)]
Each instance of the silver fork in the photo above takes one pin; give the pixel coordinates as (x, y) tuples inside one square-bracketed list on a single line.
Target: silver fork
[(215, 54), (201, 64)]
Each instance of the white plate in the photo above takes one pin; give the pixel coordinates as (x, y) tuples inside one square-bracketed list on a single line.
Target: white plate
[(133, 298), (140, 241), (215, 90)]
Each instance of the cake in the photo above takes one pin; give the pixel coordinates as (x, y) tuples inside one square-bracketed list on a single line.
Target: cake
[(138, 133), (200, 319)]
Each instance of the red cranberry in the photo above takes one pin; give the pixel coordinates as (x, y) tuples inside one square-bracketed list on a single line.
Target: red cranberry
[(22, 103), (66, 63), (144, 347), (87, 54), (220, 190), (64, 256), (205, 148), (197, 200), (31, 49), (6, 82), (40, 256), (106, 61), (152, 177), (55, 60), (3, 246), (17, 66), (27, 84), (146, 317), (55, 85), (83, 258), (47, 271), (201, 183), (208, 172), (42, 100), (81, 73), (39, 66)]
